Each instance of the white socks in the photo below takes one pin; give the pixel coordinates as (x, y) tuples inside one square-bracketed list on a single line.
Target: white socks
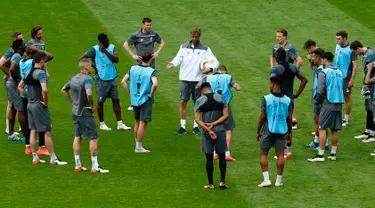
[(119, 122), (334, 148), (138, 145), (102, 124), (7, 125), (289, 150), (78, 161), (35, 156), (279, 179), (94, 162), (195, 124), (316, 139), (321, 152), (266, 176), (183, 124), (346, 118), (227, 154), (53, 157)]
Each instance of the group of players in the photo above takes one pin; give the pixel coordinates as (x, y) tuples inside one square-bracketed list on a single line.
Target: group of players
[(26, 78), (333, 79)]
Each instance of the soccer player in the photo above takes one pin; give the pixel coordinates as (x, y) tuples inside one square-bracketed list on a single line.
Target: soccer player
[(211, 111), (25, 65), (316, 57), (310, 46), (370, 80), (104, 56), (330, 94), (38, 113), (346, 62), (221, 83), (83, 115), (291, 56), (368, 60), (143, 84), (4, 66), (144, 41), (287, 73), (36, 44), (189, 57), (12, 91), (275, 121)]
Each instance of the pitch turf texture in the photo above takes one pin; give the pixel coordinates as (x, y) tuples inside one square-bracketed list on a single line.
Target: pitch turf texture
[(241, 34)]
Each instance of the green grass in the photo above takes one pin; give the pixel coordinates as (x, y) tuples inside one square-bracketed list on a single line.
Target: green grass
[(241, 34)]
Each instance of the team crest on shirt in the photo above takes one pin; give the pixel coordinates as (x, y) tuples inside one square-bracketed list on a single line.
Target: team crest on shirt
[(141, 40)]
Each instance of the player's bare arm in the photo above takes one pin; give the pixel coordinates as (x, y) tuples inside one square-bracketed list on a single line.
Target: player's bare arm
[(157, 52), (3, 60), (113, 57), (13, 71), (170, 65), (261, 120), (33, 48), (197, 117), (65, 92), (236, 86), (21, 88), (272, 61), (44, 94), (3, 66), (354, 73), (221, 119), (124, 82), (302, 84), (90, 99), (299, 62), (130, 52), (154, 86), (368, 81)]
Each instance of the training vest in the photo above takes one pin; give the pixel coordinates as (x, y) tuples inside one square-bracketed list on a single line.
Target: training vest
[(29, 80), (211, 104), (343, 59), (220, 84), (106, 68), (140, 84), (25, 66), (315, 84), (334, 85), (277, 113)]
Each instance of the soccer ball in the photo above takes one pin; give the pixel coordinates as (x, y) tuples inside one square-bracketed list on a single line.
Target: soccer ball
[(205, 63)]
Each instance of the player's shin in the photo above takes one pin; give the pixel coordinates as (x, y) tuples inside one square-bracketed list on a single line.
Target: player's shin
[(49, 144)]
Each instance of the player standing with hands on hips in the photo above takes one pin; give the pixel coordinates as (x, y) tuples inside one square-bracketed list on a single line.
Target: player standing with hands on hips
[(144, 40)]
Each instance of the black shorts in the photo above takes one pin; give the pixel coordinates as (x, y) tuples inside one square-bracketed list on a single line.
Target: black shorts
[(144, 111), (188, 88), (220, 143)]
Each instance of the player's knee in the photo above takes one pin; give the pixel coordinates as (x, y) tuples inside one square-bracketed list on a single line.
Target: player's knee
[(183, 103), (101, 100), (116, 101)]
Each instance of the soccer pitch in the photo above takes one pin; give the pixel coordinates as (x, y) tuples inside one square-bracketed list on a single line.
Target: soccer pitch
[(241, 34)]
